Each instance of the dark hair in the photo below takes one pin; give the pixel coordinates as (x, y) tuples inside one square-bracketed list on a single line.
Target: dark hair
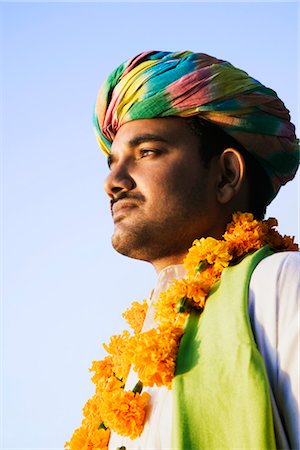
[(213, 142)]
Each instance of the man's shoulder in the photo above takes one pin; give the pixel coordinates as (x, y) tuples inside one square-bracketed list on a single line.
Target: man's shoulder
[(275, 283), (273, 312), (276, 267)]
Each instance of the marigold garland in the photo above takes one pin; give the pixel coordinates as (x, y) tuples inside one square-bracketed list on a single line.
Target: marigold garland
[(124, 412), (152, 354), (135, 316)]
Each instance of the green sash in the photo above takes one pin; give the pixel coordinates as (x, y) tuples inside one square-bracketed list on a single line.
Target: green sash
[(221, 396)]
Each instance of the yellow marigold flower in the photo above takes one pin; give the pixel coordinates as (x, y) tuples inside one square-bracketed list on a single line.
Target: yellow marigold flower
[(135, 316), (100, 439), (79, 440), (189, 287), (166, 314), (91, 413), (103, 370), (106, 380), (153, 355), (92, 409), (210, 250), (82, 439), (198, 288), (124, 412), (117, 349), (178, 289), (113, 383), (245, 234), (194, 288)]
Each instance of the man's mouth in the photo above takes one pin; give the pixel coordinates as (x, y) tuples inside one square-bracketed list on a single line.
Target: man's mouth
[(121, 208), (123, 203)]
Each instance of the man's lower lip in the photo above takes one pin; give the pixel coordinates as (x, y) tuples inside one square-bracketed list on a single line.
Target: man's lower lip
[(122, 211)]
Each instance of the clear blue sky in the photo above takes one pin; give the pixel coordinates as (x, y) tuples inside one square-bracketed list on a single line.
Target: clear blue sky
[(64, 288)]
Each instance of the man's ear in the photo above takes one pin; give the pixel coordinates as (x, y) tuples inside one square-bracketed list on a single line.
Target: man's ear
[(231, 175)]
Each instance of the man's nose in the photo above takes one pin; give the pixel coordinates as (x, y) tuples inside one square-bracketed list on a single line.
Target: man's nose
[(118, 180)]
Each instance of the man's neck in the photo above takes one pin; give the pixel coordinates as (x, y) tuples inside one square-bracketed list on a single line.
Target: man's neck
[(162, 263)]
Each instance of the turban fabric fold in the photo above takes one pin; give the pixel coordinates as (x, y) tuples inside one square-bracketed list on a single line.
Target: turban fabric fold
[(161, 84)]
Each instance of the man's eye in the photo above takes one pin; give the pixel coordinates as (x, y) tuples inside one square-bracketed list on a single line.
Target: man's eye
[(147, 152)]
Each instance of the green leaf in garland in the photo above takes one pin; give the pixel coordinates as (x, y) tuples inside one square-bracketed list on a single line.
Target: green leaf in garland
[(182, 305), (138, 387), (102, 426), (202, 266)]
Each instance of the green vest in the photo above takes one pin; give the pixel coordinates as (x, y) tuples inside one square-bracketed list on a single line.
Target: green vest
[(221, 396)]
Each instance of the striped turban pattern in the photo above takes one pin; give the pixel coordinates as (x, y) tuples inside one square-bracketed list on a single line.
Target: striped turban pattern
[(161, 84)]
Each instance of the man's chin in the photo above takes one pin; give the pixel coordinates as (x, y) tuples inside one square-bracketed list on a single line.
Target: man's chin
[(121, 241), (130, 243)]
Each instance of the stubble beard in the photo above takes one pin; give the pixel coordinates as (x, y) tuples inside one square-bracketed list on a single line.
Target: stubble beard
[(170, 232), (150, 241), (133, 242)]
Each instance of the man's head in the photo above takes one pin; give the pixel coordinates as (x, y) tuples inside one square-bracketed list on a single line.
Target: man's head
[(162, 193), (228, 140)]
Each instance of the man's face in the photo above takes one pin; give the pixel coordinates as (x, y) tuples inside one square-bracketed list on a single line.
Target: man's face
[(162, 196)]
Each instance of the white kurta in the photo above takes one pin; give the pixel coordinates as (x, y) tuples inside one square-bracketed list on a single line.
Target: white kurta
[(274, 313)]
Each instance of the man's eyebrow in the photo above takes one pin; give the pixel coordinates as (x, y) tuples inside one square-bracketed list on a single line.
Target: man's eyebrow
[(142, 138)]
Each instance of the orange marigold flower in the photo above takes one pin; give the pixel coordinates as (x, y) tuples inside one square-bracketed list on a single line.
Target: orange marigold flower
[(245, 234), (124, 412), (153, 355), (166, 314), (104, 377), (195, 288), (191, 287), (100, 439), (199, 287), (113, 383), (83, 439), (91, 413), (117, 349), (79, 440), (89, 436), (210, 250), (103, 370), (135, 316)]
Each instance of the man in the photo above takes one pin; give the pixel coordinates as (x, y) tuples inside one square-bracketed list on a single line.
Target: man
[(191, 140)]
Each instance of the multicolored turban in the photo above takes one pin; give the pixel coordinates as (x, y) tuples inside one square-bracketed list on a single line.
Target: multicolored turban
[(185, 84)]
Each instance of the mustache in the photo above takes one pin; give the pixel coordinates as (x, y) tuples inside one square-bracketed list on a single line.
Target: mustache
[(128, 196)]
